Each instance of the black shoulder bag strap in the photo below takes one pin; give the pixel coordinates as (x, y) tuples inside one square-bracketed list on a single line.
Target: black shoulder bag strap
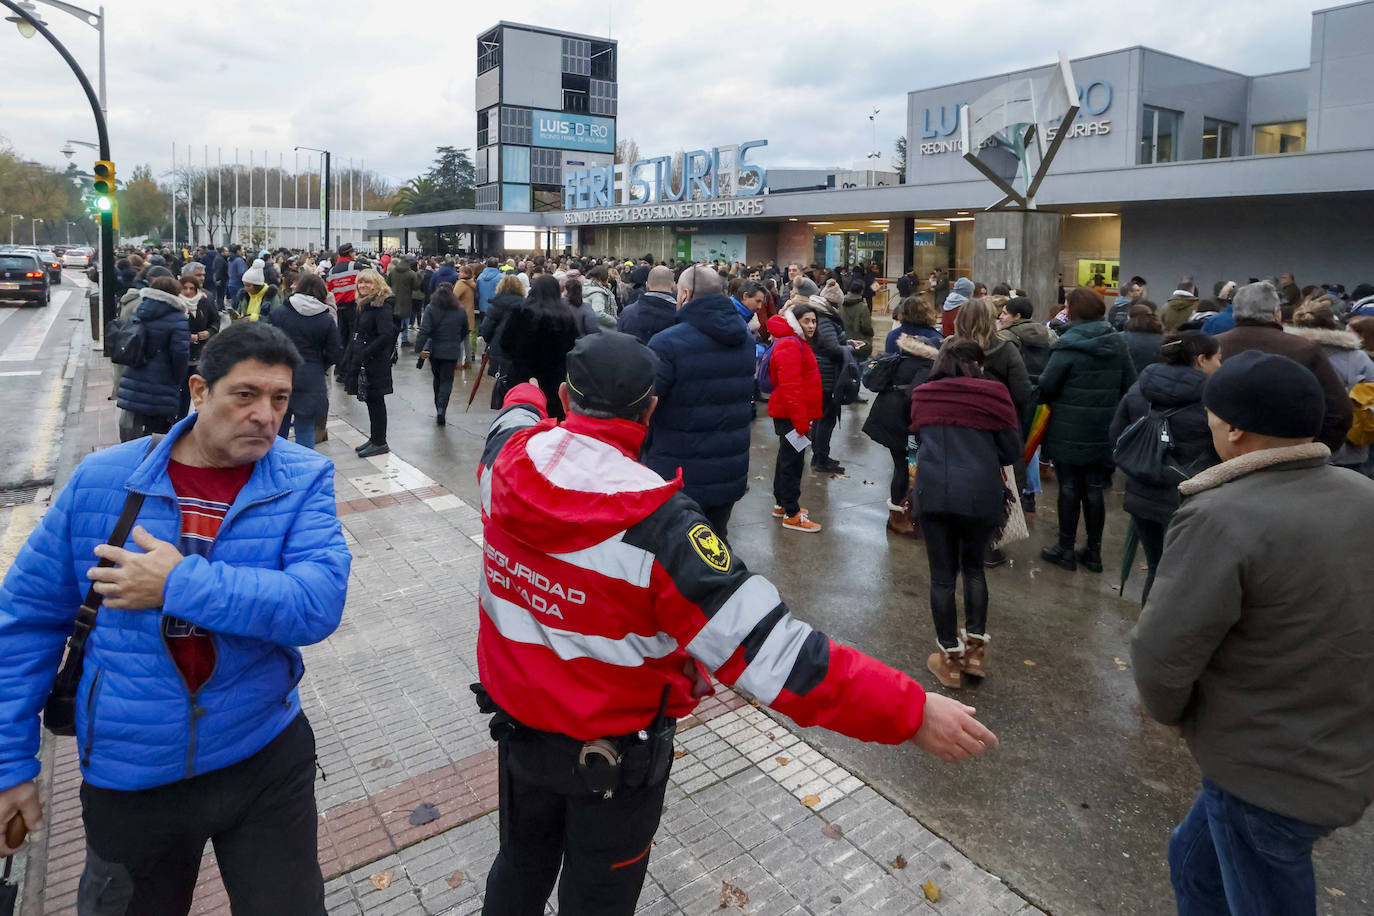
[(59, 713)]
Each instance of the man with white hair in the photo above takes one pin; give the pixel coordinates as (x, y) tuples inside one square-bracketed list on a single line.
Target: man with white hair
[(705, 389), (1259, 327)]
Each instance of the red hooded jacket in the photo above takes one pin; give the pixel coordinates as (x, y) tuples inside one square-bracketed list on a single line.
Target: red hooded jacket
[(602, 584), (796, 377)]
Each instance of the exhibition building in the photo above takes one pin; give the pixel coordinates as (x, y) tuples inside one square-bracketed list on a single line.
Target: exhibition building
[(1170, 167)]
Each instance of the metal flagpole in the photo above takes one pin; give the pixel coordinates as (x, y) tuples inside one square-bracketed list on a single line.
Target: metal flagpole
[(219, 190), (350, 194), (209, 236), (236, 189), (250, 197), (296, 202), (281, 175), (190, 198), (174, 195)]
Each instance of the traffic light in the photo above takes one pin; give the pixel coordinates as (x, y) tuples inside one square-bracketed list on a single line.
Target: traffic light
[(104, 187), (104, 184)]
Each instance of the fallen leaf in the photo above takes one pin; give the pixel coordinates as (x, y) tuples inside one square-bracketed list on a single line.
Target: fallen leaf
[(833, 831), (1030, 663), (811, 801), (1121, 664), (782, 761), (678, 755), (424, 814), (1335, 892), (382, 879), (932, 891), (731, 896), (898, 863), (770, 736), (454, 880)]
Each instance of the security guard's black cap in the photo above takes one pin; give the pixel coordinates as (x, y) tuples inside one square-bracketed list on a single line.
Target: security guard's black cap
[(611, 371)]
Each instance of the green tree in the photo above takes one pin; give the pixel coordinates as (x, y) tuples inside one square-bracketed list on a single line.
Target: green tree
[(142, 204), (414, 197), (455, 179)]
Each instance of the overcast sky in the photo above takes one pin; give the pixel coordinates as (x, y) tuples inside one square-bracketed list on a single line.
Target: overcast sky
[(386, 83)]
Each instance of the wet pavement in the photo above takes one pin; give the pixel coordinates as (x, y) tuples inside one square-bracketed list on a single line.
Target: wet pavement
[(1075, 809)]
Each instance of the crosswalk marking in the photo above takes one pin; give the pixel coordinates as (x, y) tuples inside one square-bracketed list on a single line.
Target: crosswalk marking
[(24, 348)]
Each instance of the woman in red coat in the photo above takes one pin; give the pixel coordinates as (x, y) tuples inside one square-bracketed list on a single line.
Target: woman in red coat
[(793, 405)]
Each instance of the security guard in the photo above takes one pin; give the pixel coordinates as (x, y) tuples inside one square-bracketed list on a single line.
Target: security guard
[(606, 599), (342, 282)]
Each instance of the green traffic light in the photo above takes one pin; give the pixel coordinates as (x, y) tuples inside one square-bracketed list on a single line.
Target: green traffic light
[(102, 203)]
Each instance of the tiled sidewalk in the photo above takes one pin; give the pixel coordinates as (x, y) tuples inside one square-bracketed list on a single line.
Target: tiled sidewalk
[(756, 821)]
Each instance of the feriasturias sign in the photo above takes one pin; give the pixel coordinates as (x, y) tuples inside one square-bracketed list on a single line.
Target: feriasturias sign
[(727, 208)]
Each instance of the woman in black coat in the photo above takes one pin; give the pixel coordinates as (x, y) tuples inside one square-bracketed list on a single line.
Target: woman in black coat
[(443, 331), (1172, 386), (536, 337), (830, 345), (1144, 334), (374, 351), (312, 327), (889, 421), (968, 429), (507, 298)]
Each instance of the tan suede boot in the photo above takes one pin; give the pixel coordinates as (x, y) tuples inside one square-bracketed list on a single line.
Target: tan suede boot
[(975, 659), (946, 666), (899, 522)]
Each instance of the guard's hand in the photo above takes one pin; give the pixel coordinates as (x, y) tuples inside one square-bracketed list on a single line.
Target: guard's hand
[(22, 799), (137, 580), (950, 732)]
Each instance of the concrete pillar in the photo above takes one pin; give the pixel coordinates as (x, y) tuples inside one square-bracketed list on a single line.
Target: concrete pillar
[(1021, 248)]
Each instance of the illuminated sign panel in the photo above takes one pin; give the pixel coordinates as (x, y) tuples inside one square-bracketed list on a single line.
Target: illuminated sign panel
[(559, 130)]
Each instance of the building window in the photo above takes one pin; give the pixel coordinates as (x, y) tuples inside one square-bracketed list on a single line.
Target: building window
[(484, 128), (577, 56), (517, 125), (488, 197), (575, 100), (515, 197), (515, 164), (1158, 135), (602, 98), (545, 166), (488, 52), (1286, 137), (603, 61), (1218, 139)]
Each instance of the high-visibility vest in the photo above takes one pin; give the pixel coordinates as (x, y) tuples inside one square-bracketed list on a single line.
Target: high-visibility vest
[(343, 281)]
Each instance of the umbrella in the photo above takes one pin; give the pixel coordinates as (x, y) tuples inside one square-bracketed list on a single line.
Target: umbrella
[(1039, 422), (481, 371), (1128, 553)]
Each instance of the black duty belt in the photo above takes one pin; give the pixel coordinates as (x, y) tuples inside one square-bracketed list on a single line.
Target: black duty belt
[(603, 766)]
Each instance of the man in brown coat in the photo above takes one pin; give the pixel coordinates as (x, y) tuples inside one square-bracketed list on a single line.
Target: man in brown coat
[(1259, 327)]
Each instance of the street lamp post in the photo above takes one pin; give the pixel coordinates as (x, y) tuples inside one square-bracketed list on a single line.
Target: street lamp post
[(28, 24), (13, 217), (324, 190), (33, 231)]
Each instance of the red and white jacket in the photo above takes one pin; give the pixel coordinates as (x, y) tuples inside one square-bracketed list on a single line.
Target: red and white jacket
[(602, 583), (342, 282)]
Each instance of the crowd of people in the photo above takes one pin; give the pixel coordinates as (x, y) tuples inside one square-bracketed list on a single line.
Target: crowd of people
[(977, 396)]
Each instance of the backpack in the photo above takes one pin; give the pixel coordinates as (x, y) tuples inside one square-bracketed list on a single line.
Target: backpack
[(1144, 450), (1362, 407), (761, 377), (847, 381), (879, 375), (126, 342)]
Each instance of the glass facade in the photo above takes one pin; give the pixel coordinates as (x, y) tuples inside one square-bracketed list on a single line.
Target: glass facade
[(1218, 139), (515, 197), (515, 164), (1285, 137)]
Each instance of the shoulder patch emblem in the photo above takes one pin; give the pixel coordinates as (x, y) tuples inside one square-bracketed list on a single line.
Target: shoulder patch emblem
[(710, 547)]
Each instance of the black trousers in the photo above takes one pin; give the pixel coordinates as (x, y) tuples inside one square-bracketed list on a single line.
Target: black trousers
[(901, 476), (347, 318), (1082, 489), (1152, 540), (376, 418), (549, 819), (719, 518), (822, 430), (142, 424), (143, 848), (787, 472), (955, 544), (443, 370)]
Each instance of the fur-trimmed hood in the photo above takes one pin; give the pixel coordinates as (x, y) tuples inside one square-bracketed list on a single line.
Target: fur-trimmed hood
[(1313, 453), (915, 346), (1341, 340)]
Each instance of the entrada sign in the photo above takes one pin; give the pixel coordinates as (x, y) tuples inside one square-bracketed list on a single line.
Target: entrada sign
[(649, 181)]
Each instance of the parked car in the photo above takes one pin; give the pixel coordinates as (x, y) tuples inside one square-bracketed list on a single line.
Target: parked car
[(23, 278), (77, 257)]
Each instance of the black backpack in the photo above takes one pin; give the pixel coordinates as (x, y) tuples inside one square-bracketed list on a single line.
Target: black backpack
[(882, 372), (126, 342), (847, 381), (1144, 450)]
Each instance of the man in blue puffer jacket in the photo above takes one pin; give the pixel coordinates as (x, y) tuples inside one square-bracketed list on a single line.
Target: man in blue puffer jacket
[(486, 284), (705, 391), (188, 722)]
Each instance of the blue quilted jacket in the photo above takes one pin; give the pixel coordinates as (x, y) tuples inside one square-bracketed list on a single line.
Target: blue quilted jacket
[(276, 579)]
